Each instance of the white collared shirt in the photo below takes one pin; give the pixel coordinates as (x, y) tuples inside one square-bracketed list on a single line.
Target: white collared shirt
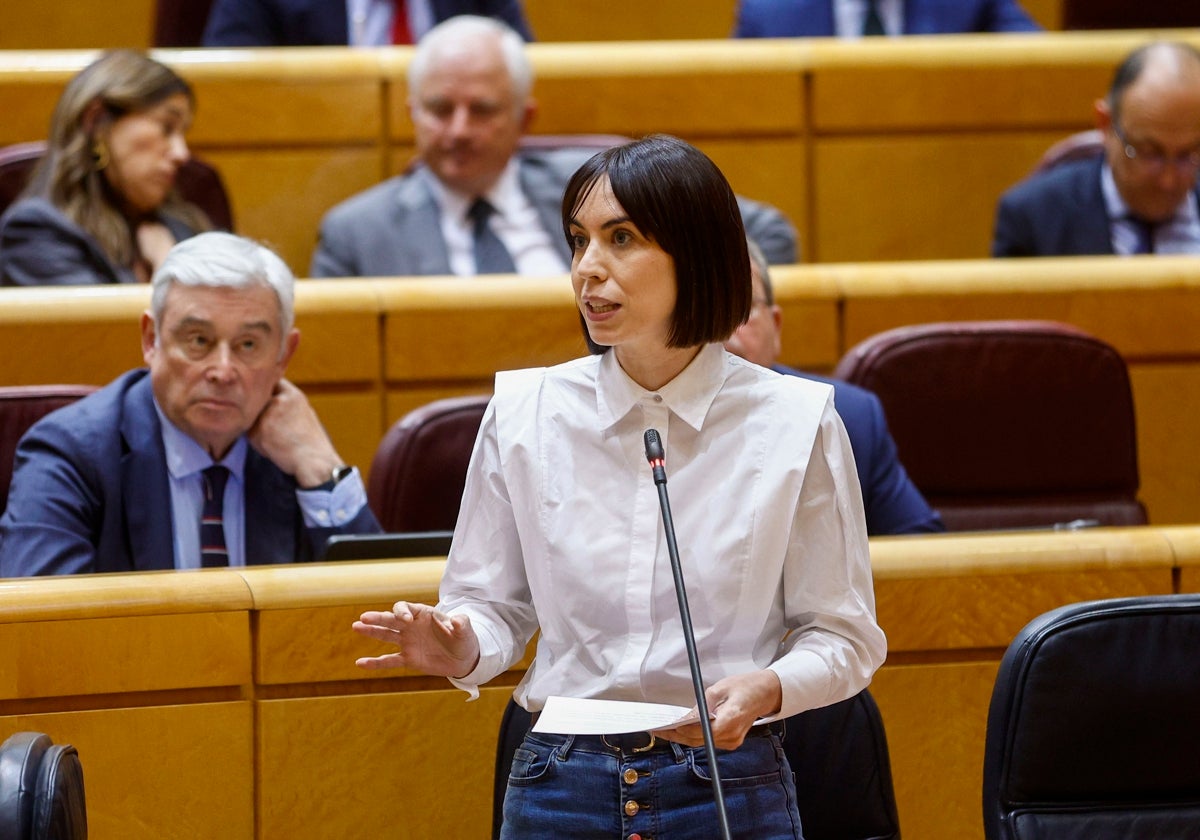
[(515, 221), (560, 530), (850, 15), (185, 461), (1179, 235)]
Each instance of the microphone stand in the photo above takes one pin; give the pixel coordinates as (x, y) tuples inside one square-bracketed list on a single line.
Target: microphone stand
[(654, 454)]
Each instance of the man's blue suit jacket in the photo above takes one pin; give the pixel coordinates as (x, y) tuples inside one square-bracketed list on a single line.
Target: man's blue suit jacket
[(893, 503), (814, 18), (1058, 213), (90, 493), (300, 23)]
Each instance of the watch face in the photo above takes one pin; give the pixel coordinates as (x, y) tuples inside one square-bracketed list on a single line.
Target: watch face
[(341, 472)]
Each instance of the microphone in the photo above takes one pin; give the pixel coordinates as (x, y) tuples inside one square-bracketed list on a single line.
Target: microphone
[(654, 454)]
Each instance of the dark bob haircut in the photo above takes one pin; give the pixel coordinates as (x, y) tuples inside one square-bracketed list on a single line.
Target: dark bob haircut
[(678, 198)]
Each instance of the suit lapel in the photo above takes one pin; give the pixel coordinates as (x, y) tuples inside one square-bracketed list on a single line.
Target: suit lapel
[(546, 195), (145, 487), (415, 233), (1091, 224)]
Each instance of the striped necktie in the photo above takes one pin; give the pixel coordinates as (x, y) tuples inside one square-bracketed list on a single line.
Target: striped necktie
[(491, 257), (212, 525), (1144, 231)]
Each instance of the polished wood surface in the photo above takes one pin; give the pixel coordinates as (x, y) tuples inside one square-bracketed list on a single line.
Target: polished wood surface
[(883, 149), (373, 349), (226, 703)]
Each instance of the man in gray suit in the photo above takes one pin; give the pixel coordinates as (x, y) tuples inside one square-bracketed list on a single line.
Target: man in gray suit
[(474, 204)]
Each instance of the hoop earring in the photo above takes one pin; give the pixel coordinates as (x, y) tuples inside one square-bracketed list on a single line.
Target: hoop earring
[(100, 157)]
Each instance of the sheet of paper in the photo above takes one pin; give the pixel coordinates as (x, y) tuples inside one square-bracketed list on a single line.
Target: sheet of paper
[(574, 716)]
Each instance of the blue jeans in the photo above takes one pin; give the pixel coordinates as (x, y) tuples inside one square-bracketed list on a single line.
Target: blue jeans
[(572, 786)]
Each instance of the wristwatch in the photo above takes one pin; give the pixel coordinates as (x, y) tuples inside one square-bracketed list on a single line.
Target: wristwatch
[(339, 472)]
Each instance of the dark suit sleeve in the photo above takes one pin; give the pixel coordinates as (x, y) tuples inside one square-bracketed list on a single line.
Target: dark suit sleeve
[(749, 21), (893, 503), (54, 509), (242, 23), (1012, 235), (771, 230), (1008, 16), (36, 253), (334, 255)]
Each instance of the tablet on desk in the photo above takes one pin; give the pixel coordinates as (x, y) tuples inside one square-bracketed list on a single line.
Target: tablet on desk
[(385, 546)]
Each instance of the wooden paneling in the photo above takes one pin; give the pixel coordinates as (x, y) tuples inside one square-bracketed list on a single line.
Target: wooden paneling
[(619, 20), (160, 771)]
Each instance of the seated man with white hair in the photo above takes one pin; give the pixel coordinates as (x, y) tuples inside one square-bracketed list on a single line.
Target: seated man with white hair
[(206, 457)]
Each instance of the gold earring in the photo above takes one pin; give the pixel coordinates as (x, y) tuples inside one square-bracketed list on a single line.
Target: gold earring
[(100, 158)]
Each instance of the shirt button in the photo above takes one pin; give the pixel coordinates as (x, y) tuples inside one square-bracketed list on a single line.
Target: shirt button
[(631, 808), (630, 776), (658, 398)]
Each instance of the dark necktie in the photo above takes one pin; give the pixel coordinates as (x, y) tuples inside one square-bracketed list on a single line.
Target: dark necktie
[(873, 24), (1144, 230), (491, 257), (212, 526)]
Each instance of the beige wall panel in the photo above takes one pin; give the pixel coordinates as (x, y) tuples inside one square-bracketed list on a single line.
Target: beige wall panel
[(354, 422), (980, 611), (1167, 398), (774, 171), (280, 195), (340, 326), (112, 655), (691, 104), (429, 758), (160, 771), (911, 197), (629, 20), (402, 401), (263, 109), (936, 720), (27, 102), (494, 324), (964, 81), (317, 645), (59, 25)]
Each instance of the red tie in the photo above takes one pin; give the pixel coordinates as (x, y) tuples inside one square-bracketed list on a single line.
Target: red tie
[(400, 32)]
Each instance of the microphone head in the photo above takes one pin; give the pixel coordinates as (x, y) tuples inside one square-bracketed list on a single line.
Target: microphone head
[(654, 449)]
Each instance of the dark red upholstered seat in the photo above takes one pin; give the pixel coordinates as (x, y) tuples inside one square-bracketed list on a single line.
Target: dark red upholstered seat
[(1007, 424), (22, 406), (420, 466)]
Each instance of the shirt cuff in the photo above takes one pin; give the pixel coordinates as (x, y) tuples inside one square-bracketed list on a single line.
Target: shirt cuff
[(333, 508)]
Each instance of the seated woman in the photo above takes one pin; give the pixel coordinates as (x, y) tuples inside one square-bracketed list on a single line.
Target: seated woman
[(101, 206)]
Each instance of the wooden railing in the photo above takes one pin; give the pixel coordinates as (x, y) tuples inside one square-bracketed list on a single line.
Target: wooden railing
[(227, 704), (877, 151)]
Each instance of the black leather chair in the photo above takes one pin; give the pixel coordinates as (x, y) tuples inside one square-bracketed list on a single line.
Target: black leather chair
[(1007, 424), (838, 754), (1094, 727), (420, 465), (41, 790)]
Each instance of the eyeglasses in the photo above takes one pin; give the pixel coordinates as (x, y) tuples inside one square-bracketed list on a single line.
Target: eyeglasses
[(1155, 161)]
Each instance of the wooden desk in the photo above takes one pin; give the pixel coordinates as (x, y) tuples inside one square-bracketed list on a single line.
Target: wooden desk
[(225, 703)]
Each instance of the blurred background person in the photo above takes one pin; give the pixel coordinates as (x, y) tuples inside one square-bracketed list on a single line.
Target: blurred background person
[(854, 18), (101, 206), (892, 502), (355, 23), (1140, 196)]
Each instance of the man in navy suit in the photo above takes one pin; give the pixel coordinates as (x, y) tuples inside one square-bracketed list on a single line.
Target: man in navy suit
[(356, 23), (1141, 196), (893, 503), (852, 18), (209, 457)]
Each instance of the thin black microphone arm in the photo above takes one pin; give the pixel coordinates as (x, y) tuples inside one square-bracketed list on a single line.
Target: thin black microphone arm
[(657, 459)]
